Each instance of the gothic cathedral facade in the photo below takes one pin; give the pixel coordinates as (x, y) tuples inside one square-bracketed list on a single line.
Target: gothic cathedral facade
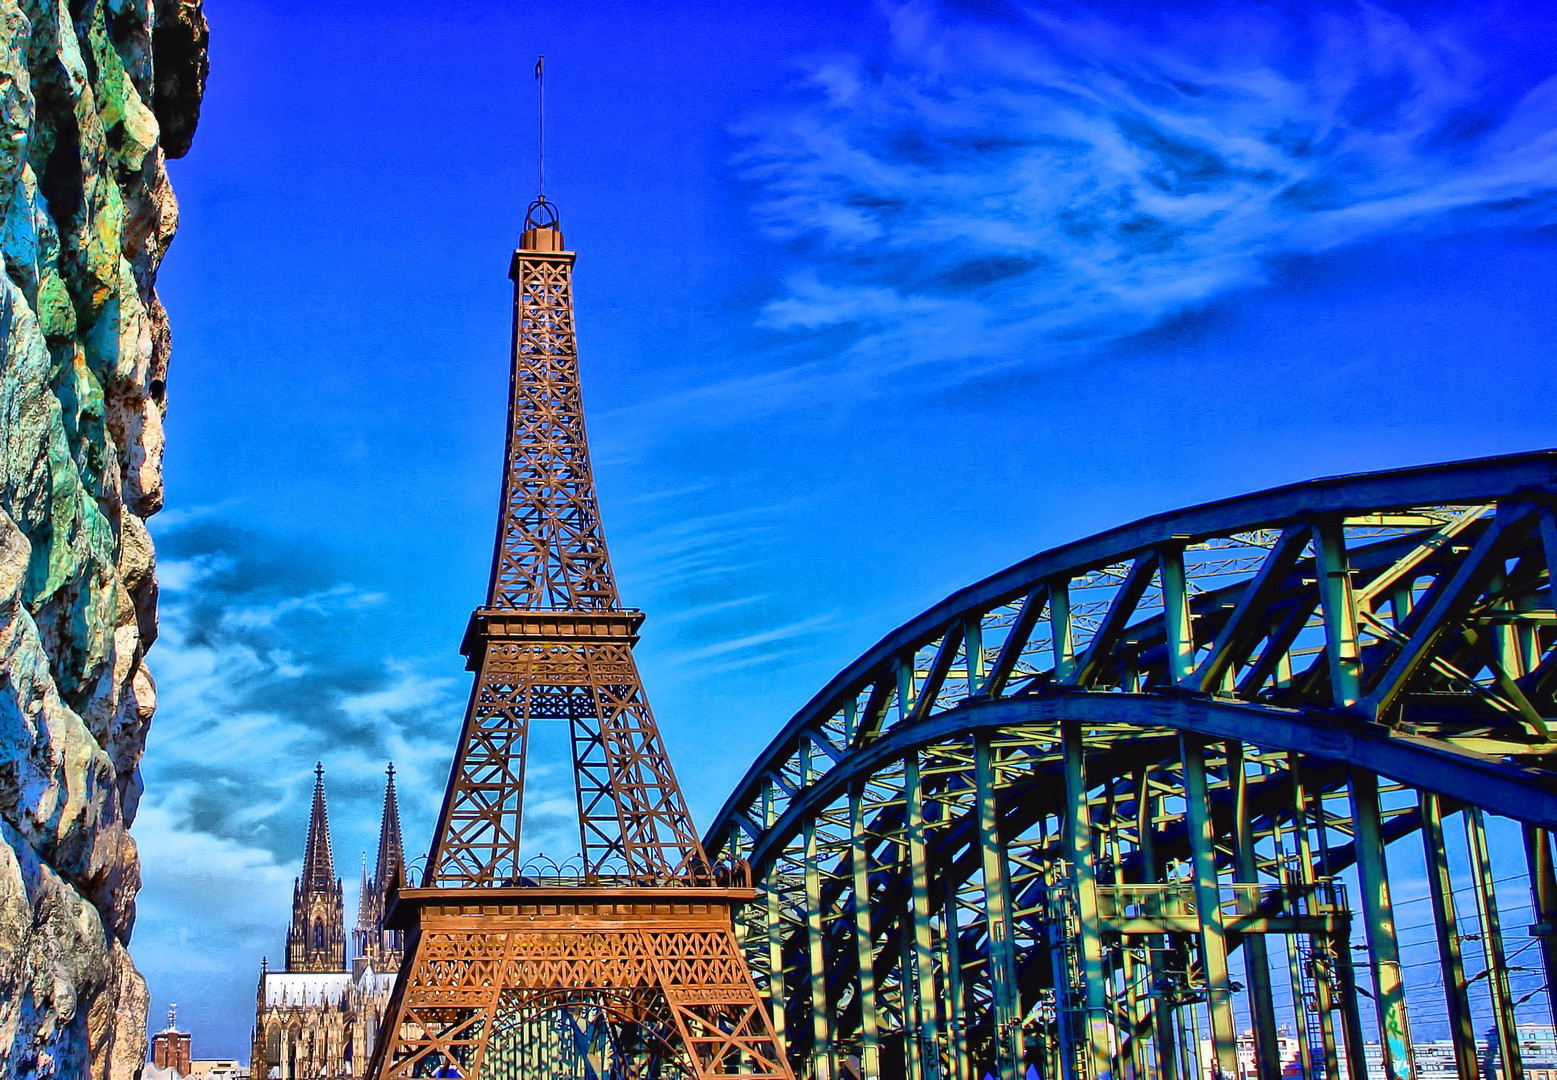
[(317, 1019)]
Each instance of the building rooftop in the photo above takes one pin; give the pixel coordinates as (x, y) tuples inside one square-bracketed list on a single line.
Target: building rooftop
[(306, 988)]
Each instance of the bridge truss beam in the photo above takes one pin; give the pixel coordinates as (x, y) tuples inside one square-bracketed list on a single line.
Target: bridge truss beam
[(1134, 806)]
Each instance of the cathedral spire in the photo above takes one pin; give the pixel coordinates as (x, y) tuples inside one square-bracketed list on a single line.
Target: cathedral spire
[(363, 895), (377, 946), (317, 940), (390, 871), (318, 862)]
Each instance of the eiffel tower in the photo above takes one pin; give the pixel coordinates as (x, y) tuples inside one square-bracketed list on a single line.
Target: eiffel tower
[(631, 968)]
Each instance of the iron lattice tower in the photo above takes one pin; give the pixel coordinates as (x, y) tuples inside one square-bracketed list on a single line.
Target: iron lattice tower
[(631, 968)]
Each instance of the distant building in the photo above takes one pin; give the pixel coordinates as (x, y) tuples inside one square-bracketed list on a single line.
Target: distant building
[(170, 1046), (1287, 1047), (1434, 1059), (1537, 1052), (217, 1069), (319, 1018)]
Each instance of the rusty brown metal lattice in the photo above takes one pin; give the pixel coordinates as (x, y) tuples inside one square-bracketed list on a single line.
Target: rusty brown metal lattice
[(644, 936)]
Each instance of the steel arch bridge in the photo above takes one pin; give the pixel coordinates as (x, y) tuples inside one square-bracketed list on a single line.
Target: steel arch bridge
[(1134, 806)]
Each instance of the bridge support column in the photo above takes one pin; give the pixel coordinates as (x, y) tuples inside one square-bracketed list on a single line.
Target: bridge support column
[(864, 949), (928, 1034), (997, 908), (1061, 632), (1342, 978), (773, 905), (823, 1065), (1296, 972), (1208, 904), (951, 960), (1178, 630), (1379, 914), (1256, 957), (1299, 1009), (1121, 992), (913, 1050), (1135, 1010), (973, 653), (1457, 1001), (1351, 1015), (1492, 946), (1339, 606), (1543, 896), (1078, 838), (1156, 944)]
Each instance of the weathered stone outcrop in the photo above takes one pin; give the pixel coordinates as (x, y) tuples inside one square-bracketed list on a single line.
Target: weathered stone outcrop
[(94, 96)]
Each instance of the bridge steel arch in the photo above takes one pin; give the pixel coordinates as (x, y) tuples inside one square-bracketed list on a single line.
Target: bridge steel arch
[(1135, 805)]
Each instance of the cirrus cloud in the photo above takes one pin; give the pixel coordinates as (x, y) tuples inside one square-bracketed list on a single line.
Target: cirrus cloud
[(1027, 188)]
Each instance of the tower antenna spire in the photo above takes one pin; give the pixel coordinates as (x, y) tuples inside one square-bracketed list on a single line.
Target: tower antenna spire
[(540, 140), (542, 214)]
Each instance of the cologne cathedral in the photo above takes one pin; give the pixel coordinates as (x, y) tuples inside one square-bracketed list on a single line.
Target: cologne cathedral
[(317, 1019)]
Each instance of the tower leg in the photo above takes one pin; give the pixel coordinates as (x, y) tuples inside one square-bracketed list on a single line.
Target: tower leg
[(663, 971)]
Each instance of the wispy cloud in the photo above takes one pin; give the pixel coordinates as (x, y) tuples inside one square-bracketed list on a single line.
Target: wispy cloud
[(720, 607), (265, 649), (173, 517), (707, 576), (410, 690), (1021, 192), (239, 892), (706, 552), (270, 658), (764, 646)]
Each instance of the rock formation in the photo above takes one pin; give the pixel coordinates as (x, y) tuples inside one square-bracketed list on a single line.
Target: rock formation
[(94, 96)]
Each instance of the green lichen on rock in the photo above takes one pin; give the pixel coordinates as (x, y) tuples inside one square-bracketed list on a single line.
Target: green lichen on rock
[(95, 95), (56, 310)]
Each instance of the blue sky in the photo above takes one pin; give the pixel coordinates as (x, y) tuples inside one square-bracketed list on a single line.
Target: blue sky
[(873, 300)]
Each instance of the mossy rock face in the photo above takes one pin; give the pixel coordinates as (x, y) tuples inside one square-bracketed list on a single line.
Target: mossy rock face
[(94, 97), (56, 310)]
